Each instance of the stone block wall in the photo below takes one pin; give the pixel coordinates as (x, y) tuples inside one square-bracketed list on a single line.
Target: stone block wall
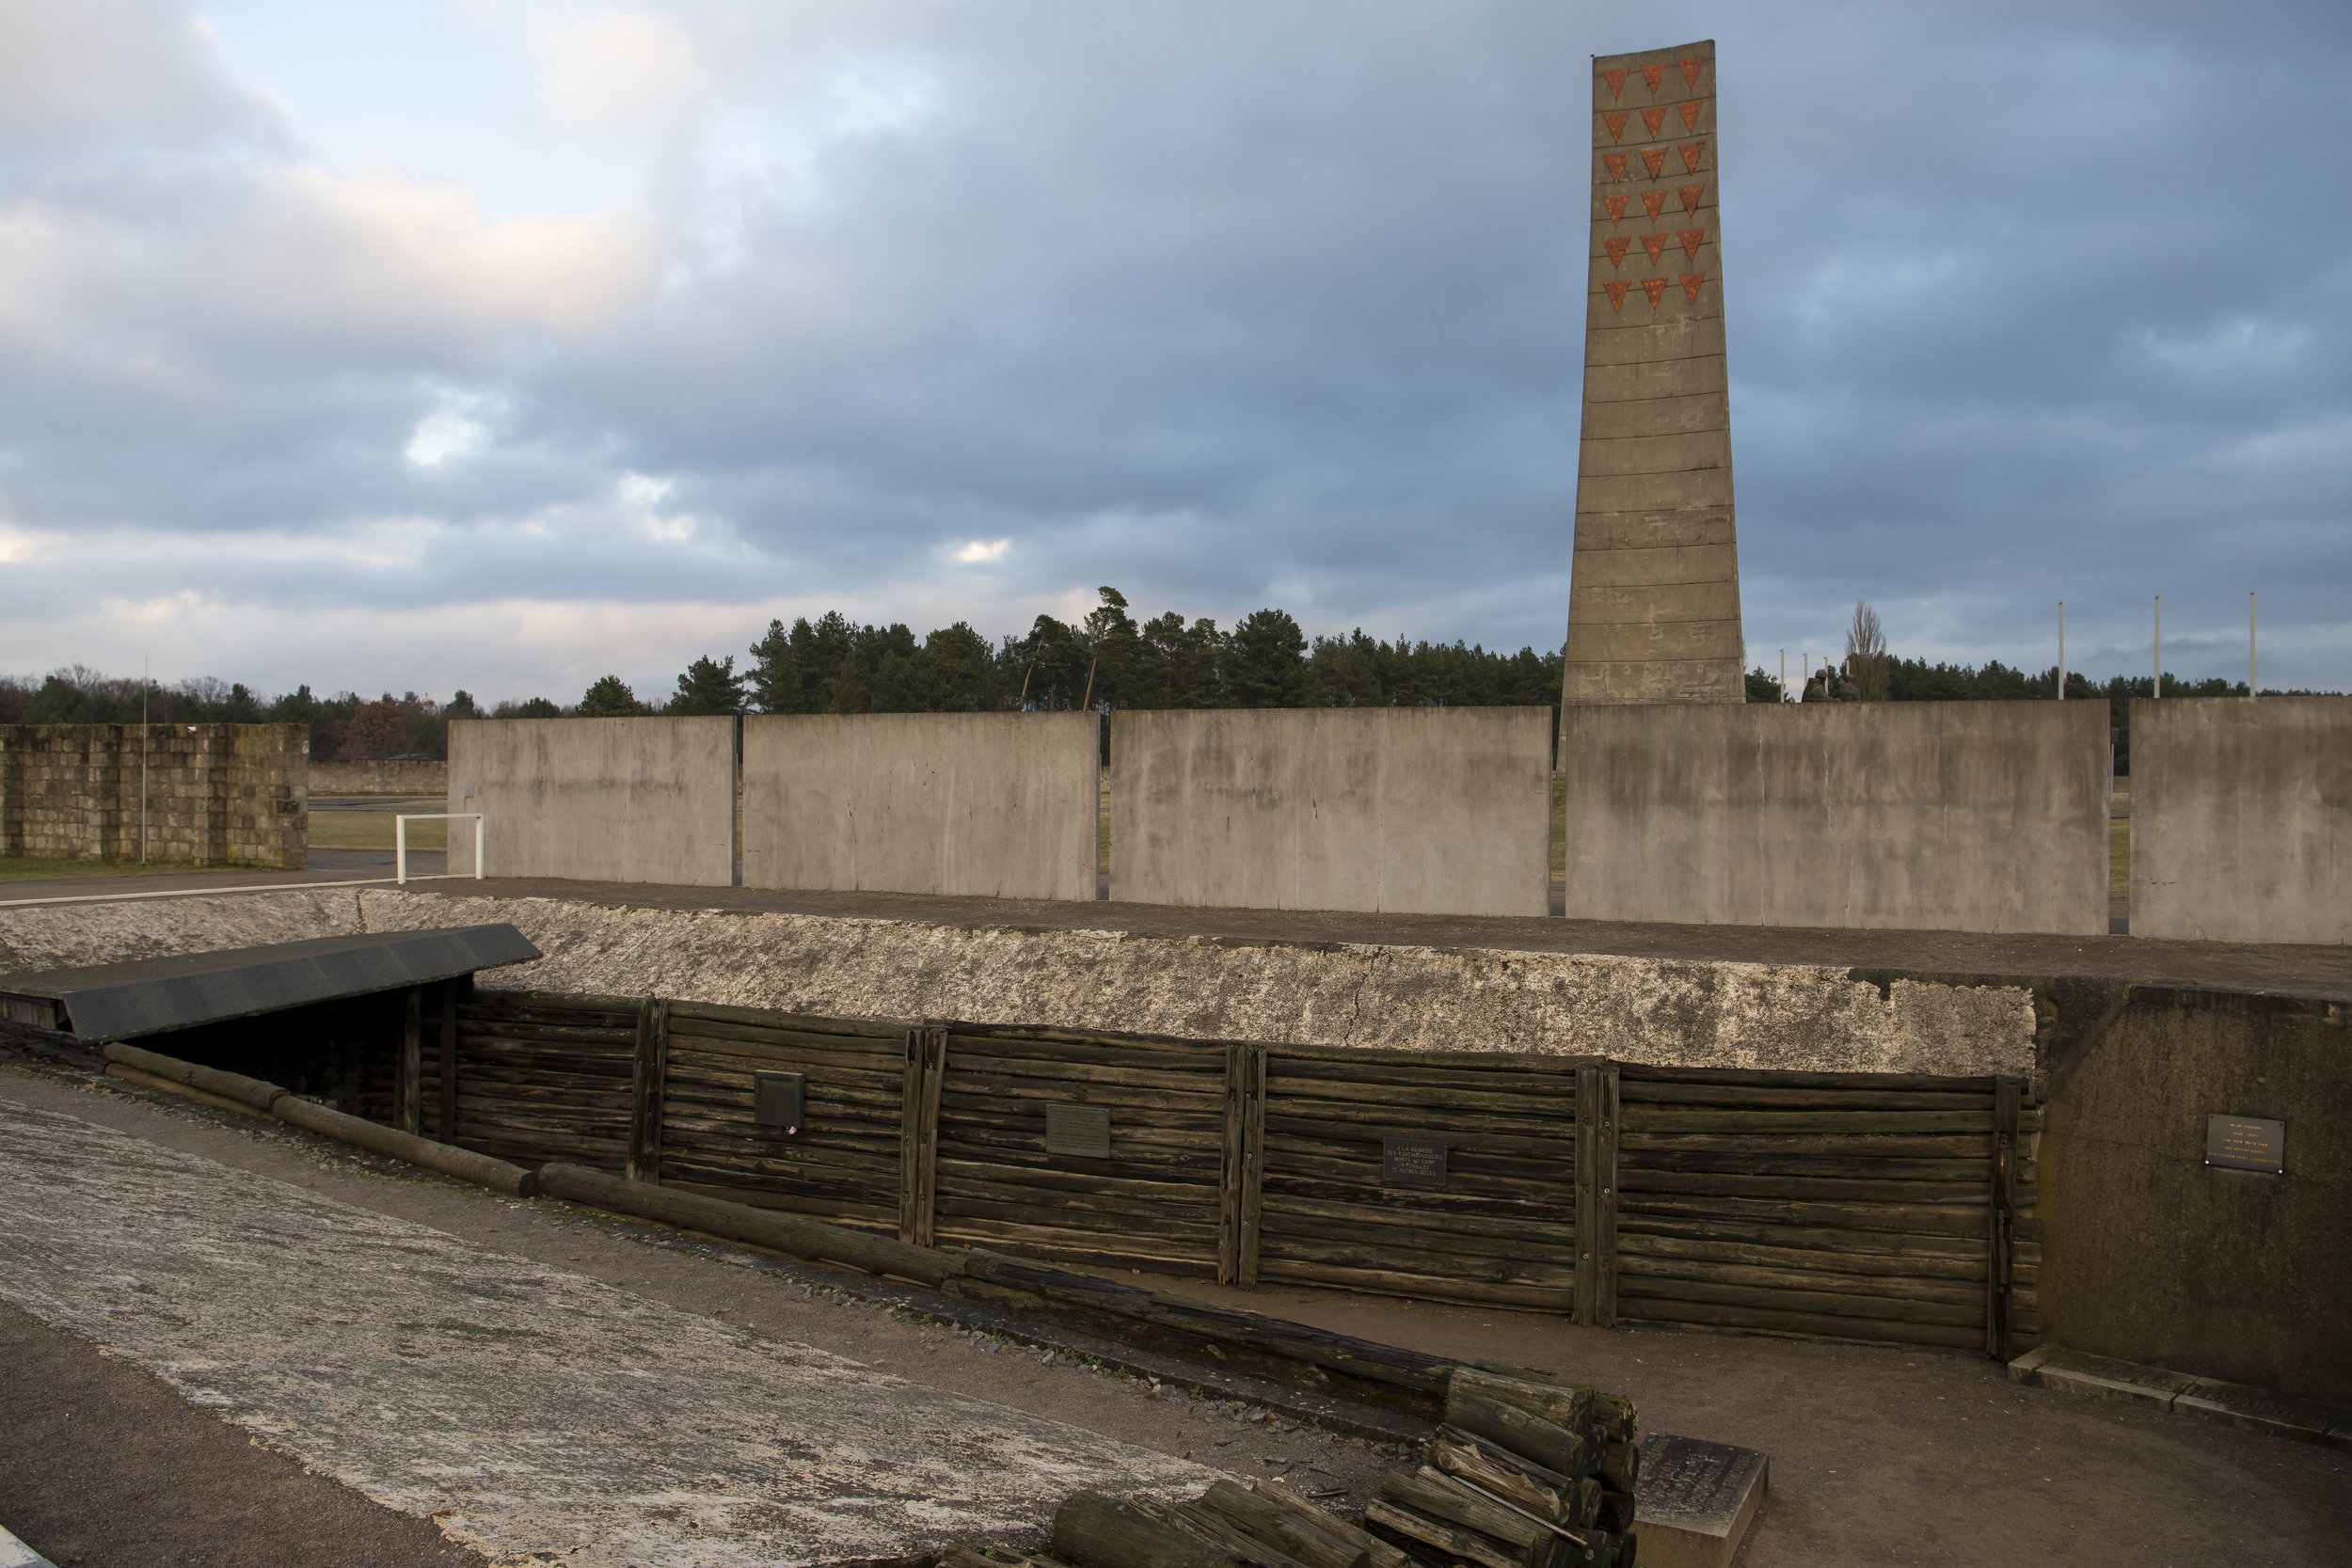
[(214, 794)]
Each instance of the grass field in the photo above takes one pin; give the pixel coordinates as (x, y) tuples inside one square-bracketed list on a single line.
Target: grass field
[(369, 827)]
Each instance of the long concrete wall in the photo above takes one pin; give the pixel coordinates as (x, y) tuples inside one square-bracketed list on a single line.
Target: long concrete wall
[(1961, 816), (598, 799), (995, 805), (416, 777), (2242, 819), (1437, 810)]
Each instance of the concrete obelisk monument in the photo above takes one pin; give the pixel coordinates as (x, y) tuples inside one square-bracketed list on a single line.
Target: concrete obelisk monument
[(1654, 602)]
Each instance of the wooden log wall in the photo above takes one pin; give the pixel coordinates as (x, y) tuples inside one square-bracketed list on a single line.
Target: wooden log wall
[(1892, 1208), (843, 1164), (1500, 1228), (1156, 1202), (1855, 1205)]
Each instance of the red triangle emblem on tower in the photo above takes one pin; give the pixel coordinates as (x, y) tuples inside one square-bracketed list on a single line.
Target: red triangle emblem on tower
[(1691, 153), (1690, 69), (1615, 164), (1616, 208), (1616, 295), (1692, 283), (1653, 244), (1655, 162), (1656, 288), (1692, 238), (1615, 121), (1653, 119), (1616, 81), (1689, 114), (1654, 74), (1655, 202), (1692, 197), (1616, 245)]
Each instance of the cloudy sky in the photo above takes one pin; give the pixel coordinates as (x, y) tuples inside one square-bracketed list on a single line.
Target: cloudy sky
[(499, 344)]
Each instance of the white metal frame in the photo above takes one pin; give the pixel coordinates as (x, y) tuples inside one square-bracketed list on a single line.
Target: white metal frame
[(400, 838)]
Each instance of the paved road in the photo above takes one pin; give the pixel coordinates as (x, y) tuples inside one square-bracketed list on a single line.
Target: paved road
[(534, 1413)]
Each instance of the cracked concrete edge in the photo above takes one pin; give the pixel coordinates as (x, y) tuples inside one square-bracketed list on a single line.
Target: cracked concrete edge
[(1346, 1417), (2233, 1403), (15, 1554)]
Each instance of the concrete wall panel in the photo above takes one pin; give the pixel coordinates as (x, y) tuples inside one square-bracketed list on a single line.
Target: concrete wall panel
[(999, 805), (598, 799), (1959, 816), (2242, 819), (1440, 811)]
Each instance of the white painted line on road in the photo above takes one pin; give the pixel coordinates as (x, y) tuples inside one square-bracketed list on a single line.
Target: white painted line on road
[(15, 1554)]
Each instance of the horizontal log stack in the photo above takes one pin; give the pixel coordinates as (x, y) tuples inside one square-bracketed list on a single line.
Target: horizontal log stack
[(1500, 1228), (1883, 1207), (1155, 1201), (1889, 1208), (1529, 1471), (841, 1164)]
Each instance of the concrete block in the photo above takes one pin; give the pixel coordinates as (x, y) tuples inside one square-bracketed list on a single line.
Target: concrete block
[(1695, 1501), (1634, 340), (1649, 640), (1440, 811), (1675, 413), (1001, 805), (1654, 681), (1607, 608), (1672, 564), (1655, 528), (2242, 819), (599, 800), (1973, 817), (2102, 1377), (1656, 454), (2258, 1410)]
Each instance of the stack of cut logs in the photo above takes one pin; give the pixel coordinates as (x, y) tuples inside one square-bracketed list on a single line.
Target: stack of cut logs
[(1527, 1471)]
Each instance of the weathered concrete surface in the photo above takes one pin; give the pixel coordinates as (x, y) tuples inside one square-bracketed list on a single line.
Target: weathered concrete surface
[(2150, 1255), (1968, 816), (1654, 601), (1438, 811), (1002, 805), (2242, 819), (1407, 998), (537, 1415), (413, 777), (617, 800)]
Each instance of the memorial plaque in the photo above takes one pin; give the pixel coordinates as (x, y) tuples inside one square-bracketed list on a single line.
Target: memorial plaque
[(778, 1099), (2247, 1143), (1696, 1500), (1411, 1163), (1081, 1130)]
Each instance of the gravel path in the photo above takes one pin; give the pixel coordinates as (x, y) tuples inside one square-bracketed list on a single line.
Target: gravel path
[(536, 1413)]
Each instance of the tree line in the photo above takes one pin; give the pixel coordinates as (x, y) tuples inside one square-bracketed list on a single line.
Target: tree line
[(1105, 661)]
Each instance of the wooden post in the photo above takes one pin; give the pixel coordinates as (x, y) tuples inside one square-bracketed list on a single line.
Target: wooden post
[(2008, 1100), (447, 1129), (648, 1088), (1252, 1164), (919, 1134), (1597, 1195), (1229, 1168), (409, 1108)]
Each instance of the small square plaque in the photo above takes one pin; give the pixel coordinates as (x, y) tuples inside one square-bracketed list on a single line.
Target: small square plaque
[(1081, 1130), (1411, 1163), (777, 1099), (2247, 1143)]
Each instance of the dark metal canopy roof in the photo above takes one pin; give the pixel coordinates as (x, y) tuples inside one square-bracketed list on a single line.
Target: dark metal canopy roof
[(113, 1002)]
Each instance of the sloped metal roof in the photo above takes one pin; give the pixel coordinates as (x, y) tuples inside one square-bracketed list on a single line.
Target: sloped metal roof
[(113, 1002)]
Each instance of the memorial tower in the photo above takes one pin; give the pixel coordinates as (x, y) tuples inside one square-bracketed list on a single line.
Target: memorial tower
[(1653, 601)]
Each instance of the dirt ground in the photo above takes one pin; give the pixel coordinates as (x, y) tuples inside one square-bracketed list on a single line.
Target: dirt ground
[(1878, 1455)]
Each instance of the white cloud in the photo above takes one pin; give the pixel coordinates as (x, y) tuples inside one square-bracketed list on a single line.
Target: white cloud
[(983, 550), (621, 69), (455, 430)]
